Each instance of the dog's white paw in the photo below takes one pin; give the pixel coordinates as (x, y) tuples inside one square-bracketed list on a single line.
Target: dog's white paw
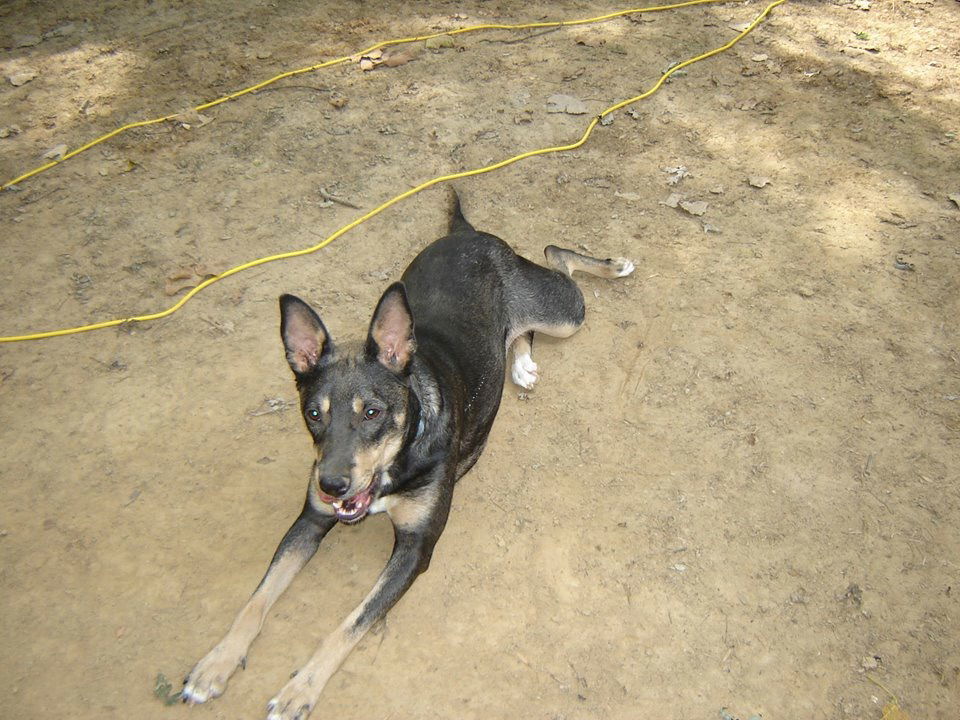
[(524, 371), (623, 267), (295, 701), (209, 677)]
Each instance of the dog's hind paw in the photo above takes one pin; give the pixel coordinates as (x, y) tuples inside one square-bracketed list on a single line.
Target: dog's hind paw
[(524, 371), (209, 677), (622, 267)]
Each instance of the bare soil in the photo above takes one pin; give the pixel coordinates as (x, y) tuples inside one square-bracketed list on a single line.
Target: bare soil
[(734, 491)]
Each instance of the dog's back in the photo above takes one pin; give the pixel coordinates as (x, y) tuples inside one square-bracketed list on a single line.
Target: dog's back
[(472, 297), (457, 290)]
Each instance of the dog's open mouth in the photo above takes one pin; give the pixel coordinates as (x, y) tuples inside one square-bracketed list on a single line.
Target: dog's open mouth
[(352, 509)]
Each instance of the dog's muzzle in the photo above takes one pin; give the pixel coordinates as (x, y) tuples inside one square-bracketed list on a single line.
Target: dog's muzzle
[(353, 509)]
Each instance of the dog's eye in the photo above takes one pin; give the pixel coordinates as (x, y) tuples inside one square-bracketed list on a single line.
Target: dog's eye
[(371, 413), (313, 414)]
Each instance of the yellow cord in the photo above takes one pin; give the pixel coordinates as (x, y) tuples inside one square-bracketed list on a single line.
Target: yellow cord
[(402, 196), (341, 60)]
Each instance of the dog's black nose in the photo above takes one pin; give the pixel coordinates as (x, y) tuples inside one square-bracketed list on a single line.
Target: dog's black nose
[(334, 485)]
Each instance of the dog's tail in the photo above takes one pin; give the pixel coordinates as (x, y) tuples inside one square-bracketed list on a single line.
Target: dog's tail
[(457, 220)]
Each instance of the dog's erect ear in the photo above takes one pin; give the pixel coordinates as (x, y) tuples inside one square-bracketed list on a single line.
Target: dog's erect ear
[(391, 340), (304, 336)]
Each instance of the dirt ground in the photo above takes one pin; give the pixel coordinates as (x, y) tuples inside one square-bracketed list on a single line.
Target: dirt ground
[(732, 494)]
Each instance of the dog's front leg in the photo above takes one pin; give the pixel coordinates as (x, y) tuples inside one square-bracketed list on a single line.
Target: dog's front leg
[(208, 679), (418, 520)]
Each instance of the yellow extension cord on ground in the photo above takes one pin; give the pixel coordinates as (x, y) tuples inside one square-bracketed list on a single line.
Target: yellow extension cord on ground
[(413, 191)]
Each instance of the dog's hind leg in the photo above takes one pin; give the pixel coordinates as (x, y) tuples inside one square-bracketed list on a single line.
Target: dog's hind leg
[(524, 371), (550, 302), (568, 262)]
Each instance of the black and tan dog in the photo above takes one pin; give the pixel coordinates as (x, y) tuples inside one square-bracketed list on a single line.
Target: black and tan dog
[(399, 419)]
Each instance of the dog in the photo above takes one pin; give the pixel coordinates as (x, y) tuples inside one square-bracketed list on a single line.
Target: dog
[(399, 418)]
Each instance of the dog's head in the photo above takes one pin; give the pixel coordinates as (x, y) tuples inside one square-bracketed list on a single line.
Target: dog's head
[(355, 403)]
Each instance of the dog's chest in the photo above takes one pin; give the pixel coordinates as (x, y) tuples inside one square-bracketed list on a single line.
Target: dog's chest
[(381, 504)]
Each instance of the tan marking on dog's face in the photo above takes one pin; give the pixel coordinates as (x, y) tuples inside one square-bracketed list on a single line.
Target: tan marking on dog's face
[(399, 418), (369, 460), (325, 404), (357, 404), (313, 490)]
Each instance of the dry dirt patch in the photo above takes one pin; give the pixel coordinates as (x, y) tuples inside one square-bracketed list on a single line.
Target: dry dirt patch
[(735, 488)]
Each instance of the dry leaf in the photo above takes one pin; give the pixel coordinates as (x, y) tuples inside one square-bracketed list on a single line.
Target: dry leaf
[(761, 57), (398, 58), (758, 181), (676, 174), (337, 100), (190, 118), (892, 711), (438, 42), (597, 182), (955, 197), (118, 166), (55, 153), (370, 60), (694, 207), (186, 278), (21, 78), (566, 104)]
